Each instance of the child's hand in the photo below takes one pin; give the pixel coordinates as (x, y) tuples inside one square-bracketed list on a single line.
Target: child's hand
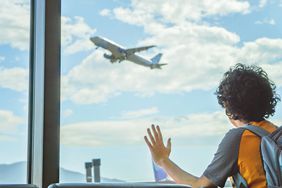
[(158, 150)]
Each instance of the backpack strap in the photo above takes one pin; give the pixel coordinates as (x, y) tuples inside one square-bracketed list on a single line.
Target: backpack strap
[(256, 130), (239, 181), (277, 134)]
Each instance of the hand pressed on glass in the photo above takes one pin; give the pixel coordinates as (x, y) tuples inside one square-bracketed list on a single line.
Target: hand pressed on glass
[(160, 154), (158, 150)]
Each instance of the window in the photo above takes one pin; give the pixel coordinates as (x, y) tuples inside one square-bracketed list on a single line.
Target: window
[(106, 107), (14, 81)]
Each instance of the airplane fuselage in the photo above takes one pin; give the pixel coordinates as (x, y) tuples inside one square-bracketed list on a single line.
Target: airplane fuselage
[(139, 60)]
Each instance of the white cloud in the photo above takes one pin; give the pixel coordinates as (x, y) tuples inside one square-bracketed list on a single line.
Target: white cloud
[(76, 34), (95, 79), (9, 121), (15, 26), (140, 113), (186, 49), (275, 72), (15, 78), (8, 125), (262, 51), (266, 53), (105, 12), (197, 54), (262, 3), (68, 112), (183, 129), (266, 21), (143, 11)]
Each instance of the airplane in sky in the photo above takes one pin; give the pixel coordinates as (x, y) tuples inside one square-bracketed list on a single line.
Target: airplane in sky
[(119, 53)]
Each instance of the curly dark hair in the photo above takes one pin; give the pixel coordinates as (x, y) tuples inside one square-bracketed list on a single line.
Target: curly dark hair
[(247, 94)]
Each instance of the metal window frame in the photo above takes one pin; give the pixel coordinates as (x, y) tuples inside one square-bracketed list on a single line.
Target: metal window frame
[(44, 93)]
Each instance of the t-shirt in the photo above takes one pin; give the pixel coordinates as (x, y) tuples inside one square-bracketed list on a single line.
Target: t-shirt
[(239, 151)]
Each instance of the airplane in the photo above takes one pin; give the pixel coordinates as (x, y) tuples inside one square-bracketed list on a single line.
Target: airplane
[(119, 53)]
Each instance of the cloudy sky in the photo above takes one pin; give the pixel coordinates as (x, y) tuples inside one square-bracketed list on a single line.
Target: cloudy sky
[(107, 107)]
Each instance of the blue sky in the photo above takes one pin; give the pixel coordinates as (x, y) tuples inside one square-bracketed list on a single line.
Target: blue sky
[(107, 107)]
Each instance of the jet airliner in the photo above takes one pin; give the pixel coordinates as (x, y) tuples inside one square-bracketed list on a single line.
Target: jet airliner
[(119, 53)]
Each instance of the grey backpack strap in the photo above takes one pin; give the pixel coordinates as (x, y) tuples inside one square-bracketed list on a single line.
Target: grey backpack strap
[(277, 134), (239, 181), (256, 130)]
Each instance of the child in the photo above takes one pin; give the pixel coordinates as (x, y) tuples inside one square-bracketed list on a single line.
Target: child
[(248, 97)]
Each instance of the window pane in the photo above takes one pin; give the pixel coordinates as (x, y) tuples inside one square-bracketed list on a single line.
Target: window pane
[(106, 107), (14, 64)]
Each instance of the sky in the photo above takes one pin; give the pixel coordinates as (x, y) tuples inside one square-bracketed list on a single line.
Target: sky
[(106, 107)]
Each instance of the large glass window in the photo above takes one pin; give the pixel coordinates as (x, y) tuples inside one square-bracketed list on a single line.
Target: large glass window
[(14, 64), (107, 106)]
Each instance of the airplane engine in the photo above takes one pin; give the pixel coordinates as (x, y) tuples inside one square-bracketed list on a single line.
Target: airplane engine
[(108, 56)]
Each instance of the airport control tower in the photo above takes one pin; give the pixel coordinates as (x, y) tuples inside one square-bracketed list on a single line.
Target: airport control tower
[(96, 163), (96, 166), (88, 167)]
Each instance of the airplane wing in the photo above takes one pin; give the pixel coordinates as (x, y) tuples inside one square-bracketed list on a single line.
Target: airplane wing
[(134, 50)]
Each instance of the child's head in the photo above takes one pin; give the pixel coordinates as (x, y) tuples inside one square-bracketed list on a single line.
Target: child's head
[(247, 94)]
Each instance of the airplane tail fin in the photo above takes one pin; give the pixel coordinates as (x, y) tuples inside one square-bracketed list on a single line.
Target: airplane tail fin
[(159, 173), (156, 59)]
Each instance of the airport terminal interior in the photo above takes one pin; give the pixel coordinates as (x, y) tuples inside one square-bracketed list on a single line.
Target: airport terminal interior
[(81, 81)]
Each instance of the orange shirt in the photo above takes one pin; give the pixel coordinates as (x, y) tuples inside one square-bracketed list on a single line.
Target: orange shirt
[(249, 158)]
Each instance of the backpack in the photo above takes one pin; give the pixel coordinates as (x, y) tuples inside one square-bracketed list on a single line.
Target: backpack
[(271, 153)]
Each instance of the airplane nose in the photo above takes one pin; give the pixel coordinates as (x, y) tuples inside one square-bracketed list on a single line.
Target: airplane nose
[(92, 39)]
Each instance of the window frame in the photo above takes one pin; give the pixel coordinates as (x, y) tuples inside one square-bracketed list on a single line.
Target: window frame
[(44, 93)]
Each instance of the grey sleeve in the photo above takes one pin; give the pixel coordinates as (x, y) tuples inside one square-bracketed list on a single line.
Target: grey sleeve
[(224, 163)]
